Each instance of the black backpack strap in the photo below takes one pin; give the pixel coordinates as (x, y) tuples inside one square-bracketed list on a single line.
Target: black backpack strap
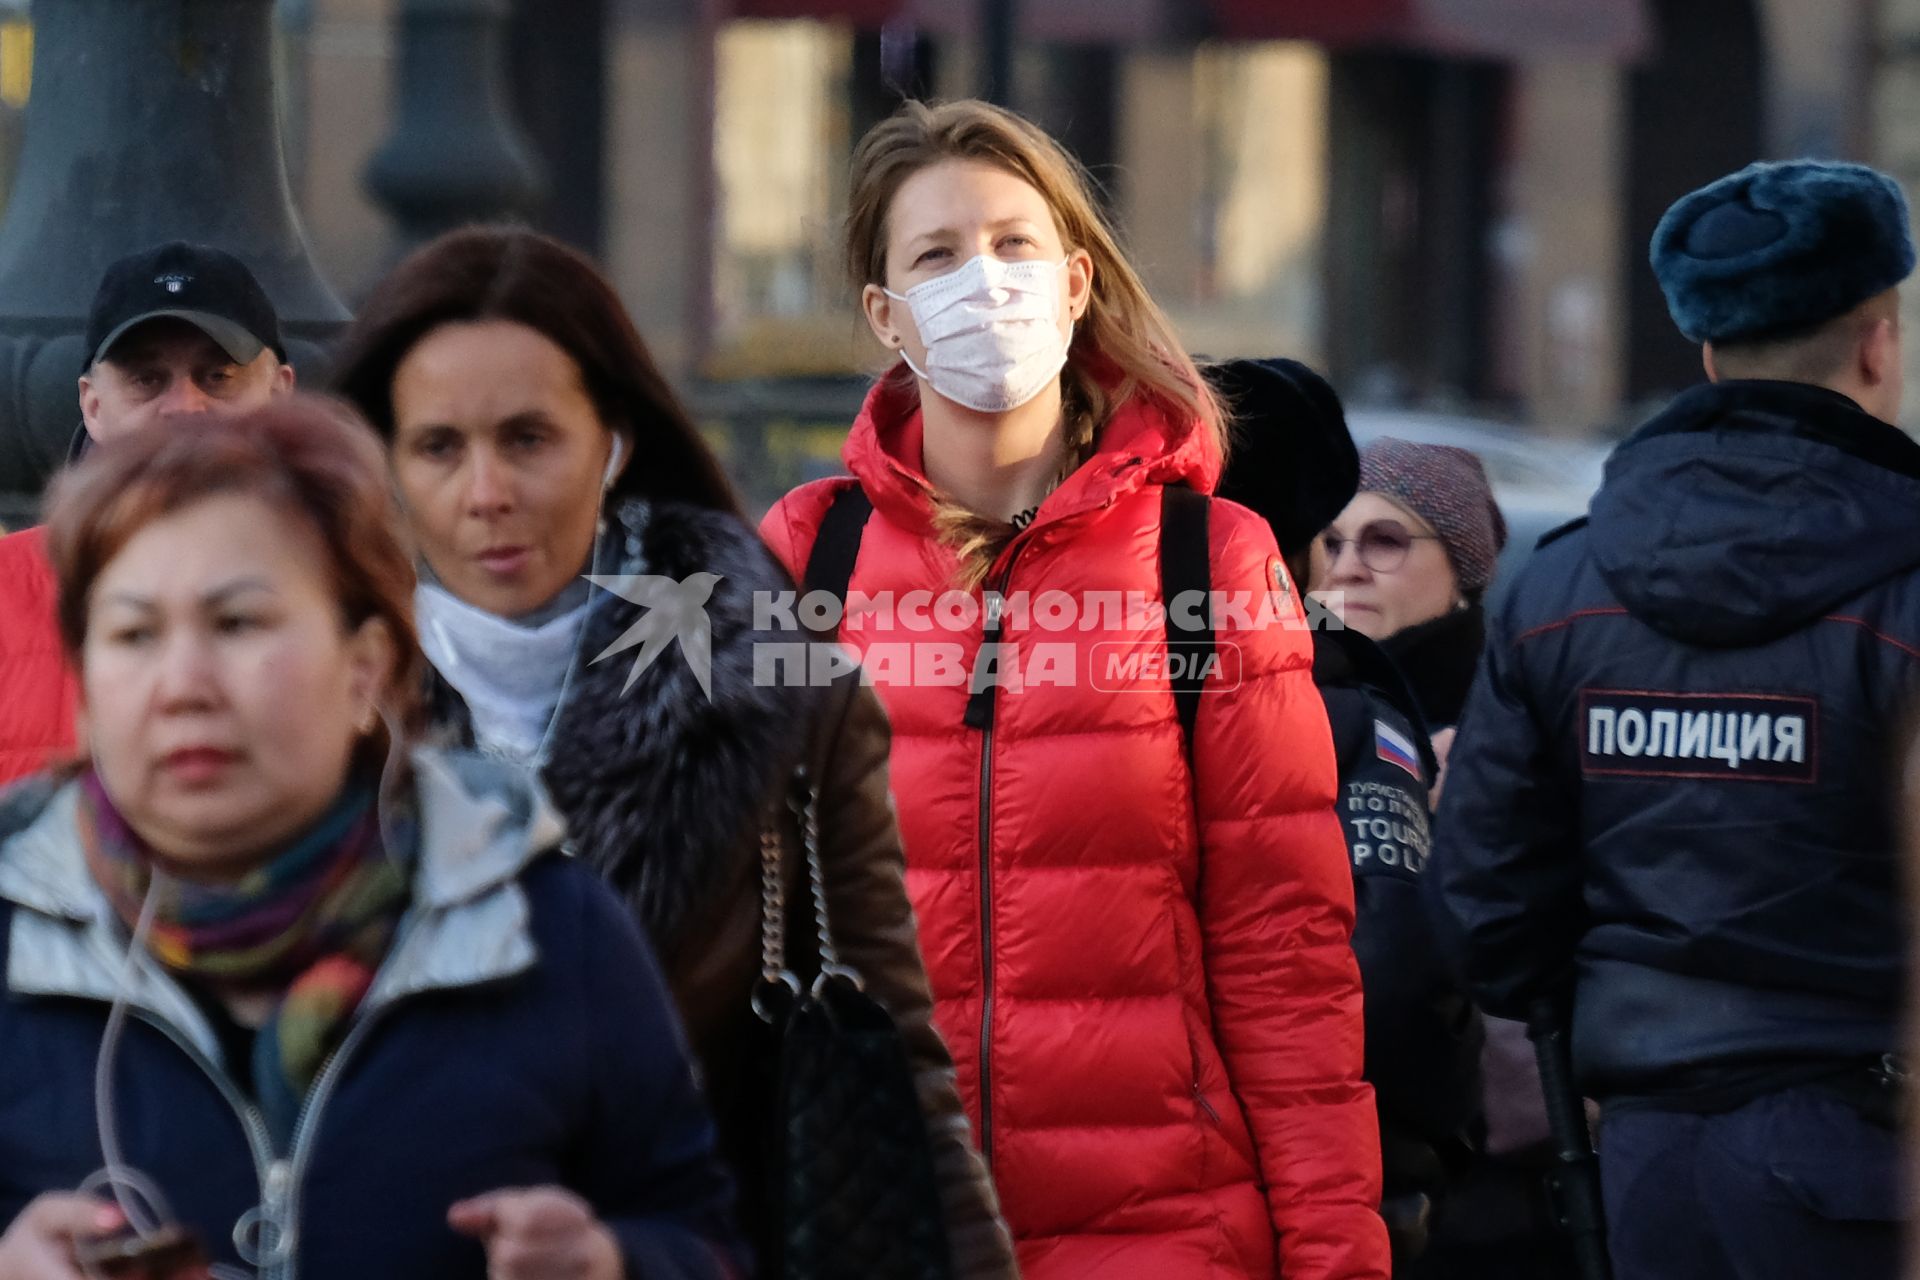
[(1185, 568), (837, 545)]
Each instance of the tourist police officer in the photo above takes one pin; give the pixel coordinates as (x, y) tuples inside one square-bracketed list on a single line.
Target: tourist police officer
[(1294, 463)]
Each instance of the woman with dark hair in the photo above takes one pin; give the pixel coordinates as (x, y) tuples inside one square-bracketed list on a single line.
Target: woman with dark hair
[(256, 944), (536, 445)]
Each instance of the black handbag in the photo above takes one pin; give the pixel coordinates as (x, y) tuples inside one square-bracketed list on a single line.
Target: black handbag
[(851, 1182)]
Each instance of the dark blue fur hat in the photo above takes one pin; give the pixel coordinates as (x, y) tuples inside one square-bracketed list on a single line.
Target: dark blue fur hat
[(1779, 248)]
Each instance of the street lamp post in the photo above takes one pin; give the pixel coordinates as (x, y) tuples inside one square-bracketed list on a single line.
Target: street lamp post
[(997, 21), (456, 154), (149, 120)]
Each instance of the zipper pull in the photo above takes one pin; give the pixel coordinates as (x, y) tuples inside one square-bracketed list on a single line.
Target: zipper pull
[(986, 664), (264, 1236), (278, 1219)]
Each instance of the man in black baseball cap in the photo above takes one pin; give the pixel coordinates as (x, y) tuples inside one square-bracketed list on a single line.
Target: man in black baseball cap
[(178, 330)]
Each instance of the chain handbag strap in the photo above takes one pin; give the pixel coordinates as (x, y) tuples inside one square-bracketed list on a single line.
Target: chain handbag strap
[(775, 975), (776, 980), (806, 808)]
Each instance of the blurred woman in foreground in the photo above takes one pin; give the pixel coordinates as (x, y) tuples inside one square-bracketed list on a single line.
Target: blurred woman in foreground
[(351, 1017)]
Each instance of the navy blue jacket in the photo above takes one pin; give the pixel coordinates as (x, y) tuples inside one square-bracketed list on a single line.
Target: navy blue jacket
[(518, 1035), (1673, 795), (1423, 1038)]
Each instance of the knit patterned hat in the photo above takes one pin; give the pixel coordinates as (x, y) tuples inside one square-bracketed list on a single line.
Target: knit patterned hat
[(1447, 487)]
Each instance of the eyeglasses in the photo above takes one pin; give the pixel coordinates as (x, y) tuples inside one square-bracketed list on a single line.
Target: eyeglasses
[(1382, 544)]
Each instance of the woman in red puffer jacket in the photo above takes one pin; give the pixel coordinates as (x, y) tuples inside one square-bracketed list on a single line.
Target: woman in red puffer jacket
[(1142, 966)]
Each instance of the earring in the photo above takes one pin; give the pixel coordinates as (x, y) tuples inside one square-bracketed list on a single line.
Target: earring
[(369, 717)]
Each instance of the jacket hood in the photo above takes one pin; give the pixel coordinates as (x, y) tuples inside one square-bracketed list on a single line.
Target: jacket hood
[(1746, 509), (663, 785), (1141, 444)]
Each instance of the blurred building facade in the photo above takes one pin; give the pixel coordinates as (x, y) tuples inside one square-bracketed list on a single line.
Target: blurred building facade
[(1441, 201)]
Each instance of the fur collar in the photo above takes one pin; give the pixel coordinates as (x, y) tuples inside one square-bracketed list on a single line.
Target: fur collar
[(1439, 658), (663, 788)]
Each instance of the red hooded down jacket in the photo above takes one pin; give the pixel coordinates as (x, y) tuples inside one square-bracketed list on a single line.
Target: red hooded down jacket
[(1146, 979), (37, 690)]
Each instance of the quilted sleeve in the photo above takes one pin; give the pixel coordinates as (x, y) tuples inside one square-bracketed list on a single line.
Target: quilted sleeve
[(1276, 908), (38, 689)]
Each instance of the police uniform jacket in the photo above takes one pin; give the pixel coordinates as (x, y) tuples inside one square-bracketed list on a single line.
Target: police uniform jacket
[(1673, 794)]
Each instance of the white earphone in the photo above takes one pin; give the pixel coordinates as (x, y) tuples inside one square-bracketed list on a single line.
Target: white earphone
[(613, 461)]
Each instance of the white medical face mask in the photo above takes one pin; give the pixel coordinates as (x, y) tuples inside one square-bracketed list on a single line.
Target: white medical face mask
[(992, 331)]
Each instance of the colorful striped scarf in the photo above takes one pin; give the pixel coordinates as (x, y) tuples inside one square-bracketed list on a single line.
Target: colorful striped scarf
[(309, 927)]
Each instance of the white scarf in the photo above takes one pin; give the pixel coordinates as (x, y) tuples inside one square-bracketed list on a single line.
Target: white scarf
[(511, 676)]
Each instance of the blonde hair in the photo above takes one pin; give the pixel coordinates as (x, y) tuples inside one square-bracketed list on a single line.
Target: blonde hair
[(1123, 332)]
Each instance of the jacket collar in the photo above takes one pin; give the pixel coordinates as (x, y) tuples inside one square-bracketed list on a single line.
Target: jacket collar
[(1141, 444), (480, 827), (1790, 409), (1439, 658)]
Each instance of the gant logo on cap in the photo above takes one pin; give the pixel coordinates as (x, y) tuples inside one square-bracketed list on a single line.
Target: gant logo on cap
[(173, 283)]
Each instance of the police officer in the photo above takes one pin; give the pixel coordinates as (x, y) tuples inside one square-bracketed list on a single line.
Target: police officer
[(1294, 463), (1671, 801)]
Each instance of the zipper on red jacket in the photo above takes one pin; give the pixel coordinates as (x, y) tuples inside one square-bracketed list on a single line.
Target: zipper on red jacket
[(980, 715)]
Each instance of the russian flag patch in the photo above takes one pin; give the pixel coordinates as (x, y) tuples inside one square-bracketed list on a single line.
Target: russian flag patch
[(1396, 748)]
